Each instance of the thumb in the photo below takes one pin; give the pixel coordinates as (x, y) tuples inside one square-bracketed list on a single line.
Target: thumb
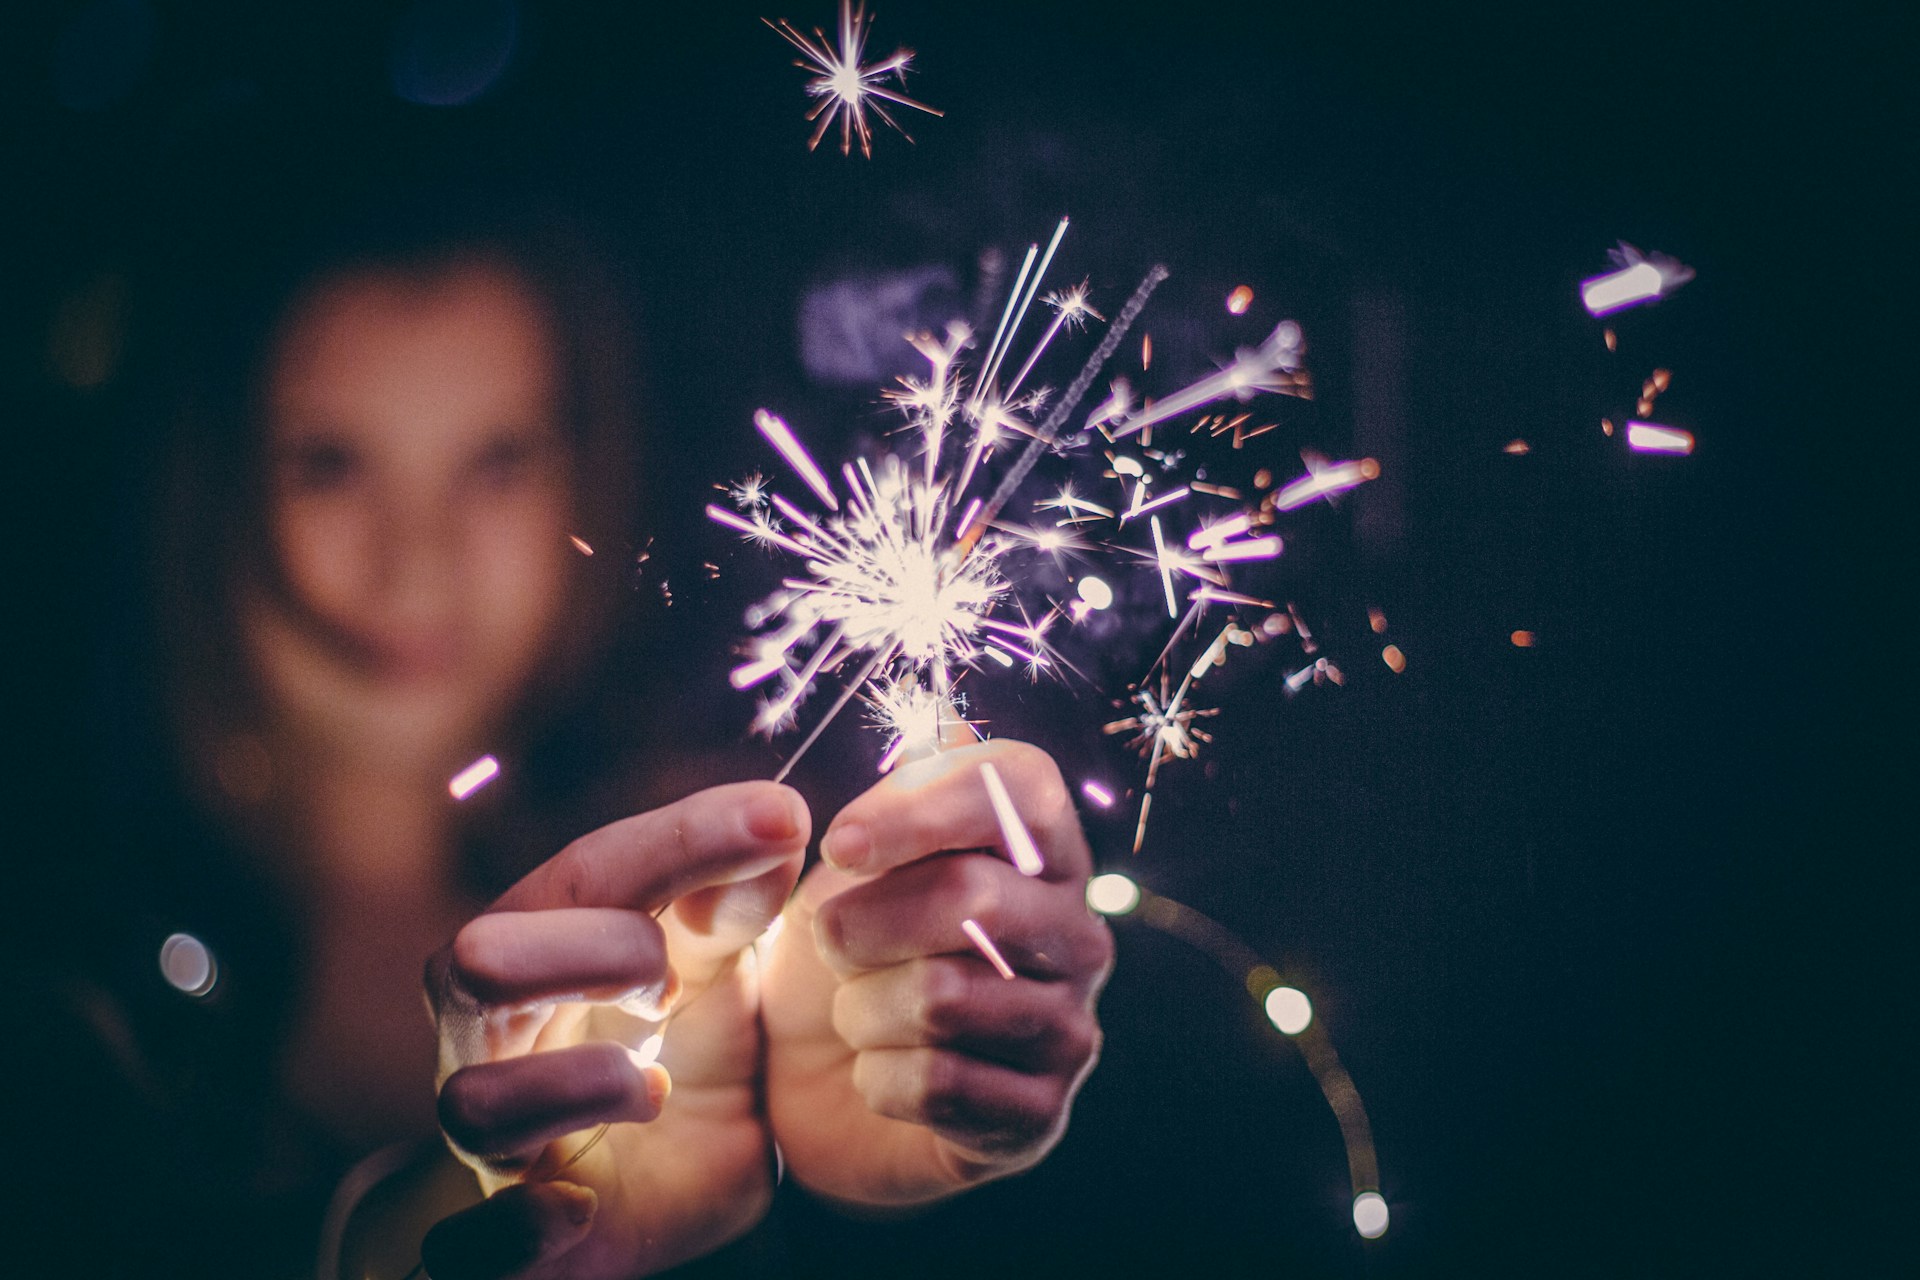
[(521, 1227)]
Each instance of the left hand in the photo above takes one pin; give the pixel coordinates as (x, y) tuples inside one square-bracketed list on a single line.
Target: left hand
[(901, 1066)]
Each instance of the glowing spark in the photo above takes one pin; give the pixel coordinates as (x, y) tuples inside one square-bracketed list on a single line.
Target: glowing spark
[(649, 1051), (1095, 592), (473, 777), (1639, 278), (917, 717), (749, 493), (1213, 535), (781, 436), (759, 529), (1163, 730), (1166, 566), (1319, 671), (1097, 793), (1252, 549), (1523, 639), (1253, 370), (1019, 841), (1117, 405), (1650, 437), (580, 544), (1394, 659), (1516, 447), (979, 938), (1323, 479), (1239, 300), (846, 89)]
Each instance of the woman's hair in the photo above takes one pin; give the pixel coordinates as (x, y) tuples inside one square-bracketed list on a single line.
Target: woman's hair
[(209, 515)]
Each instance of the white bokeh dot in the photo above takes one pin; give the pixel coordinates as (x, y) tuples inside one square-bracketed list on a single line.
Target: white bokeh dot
[(1112, 894), (1289, 1010), (187, 964), (1370, 1214)]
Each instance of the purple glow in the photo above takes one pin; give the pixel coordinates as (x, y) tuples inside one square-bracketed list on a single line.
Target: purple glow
[(473, 777)]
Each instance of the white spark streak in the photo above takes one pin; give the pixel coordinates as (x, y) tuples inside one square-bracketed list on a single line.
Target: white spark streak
[(1165, 566), (756, 530), (1253, 549), (979, 938), (1253, 370), (1651, 437), (1640, 278), (781, 436), (1325, 478), (1019, 841)]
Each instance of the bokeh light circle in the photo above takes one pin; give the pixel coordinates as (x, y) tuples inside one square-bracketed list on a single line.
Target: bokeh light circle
[(1112, 894), (1289, 1009)]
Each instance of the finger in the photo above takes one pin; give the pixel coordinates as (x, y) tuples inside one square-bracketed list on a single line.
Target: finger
[(505, 1112), (1044, 931), (984, 1108), (723, 835), (522, 1226), (943, 802), (959, 1003), (710, 926), (603, 954)]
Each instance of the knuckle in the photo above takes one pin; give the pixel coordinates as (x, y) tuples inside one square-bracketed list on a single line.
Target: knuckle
[(944, 994), (1079, 1041), (942, 1092), (974, 882), (1096, 948), (1044, 790), (575, 876)]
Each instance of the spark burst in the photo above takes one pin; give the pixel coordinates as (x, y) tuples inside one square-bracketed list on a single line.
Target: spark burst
[(846, 89), (912, 580)]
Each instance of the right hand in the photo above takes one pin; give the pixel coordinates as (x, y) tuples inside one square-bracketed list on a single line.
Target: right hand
[(522, 997)]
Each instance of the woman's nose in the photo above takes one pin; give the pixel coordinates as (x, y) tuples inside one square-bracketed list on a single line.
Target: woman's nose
[(418, 550)]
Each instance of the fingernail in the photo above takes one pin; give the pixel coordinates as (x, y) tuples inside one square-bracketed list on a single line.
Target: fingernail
[(578, 1203), (847, 846), (774, 815), (659, 1085)]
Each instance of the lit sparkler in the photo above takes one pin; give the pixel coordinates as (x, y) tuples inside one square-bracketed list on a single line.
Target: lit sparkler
[(911, 579), (847, 90)]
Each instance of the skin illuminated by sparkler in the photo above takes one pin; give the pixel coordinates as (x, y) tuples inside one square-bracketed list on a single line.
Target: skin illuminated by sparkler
[(848, 90)]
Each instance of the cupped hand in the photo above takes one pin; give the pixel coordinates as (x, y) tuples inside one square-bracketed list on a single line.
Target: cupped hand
[(542, 1002), (901, 1066)]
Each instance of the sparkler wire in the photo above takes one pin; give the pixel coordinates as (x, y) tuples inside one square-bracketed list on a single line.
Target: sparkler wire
[(1076, 390)]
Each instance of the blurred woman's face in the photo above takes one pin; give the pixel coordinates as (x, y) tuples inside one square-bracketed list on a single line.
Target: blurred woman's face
[(419, 502)]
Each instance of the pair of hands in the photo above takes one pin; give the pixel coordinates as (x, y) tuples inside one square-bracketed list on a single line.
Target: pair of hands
[(890, 1061)]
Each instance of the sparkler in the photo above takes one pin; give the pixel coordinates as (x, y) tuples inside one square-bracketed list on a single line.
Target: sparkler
[(911, 580), (894, 583), (847, 90)]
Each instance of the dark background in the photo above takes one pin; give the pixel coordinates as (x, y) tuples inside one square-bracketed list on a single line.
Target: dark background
[(1566, 911)]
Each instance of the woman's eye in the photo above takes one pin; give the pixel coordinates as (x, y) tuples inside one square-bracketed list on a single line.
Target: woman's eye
[(507, 463), (318, 467)]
